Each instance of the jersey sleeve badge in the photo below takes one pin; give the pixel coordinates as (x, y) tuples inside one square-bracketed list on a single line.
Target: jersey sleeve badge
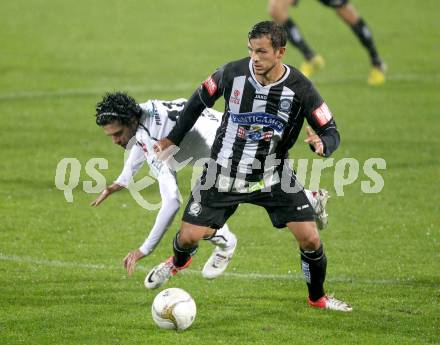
[(322, 114), (210, 85)]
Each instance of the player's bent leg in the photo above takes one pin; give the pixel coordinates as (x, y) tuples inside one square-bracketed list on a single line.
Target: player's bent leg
[(163, 272), (360, 28), (185, 245), (314, 266), (191, 234), (225, 242), (306, 233), (279, 11), (348, 13)]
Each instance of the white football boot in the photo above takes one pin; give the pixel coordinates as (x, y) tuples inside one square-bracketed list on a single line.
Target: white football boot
[(319, 201), (162, 272), (225, 242), (331, 303)]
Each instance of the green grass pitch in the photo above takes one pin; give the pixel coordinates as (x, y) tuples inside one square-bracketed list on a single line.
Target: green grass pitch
[(61, 274)]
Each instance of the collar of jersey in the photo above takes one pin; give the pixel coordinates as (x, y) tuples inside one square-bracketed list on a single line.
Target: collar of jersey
[(286, 74)]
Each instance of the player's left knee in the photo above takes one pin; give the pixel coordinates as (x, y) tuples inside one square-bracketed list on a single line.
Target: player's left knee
[(311, 242)]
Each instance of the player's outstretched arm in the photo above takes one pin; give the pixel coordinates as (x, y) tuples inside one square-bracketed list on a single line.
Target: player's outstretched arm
[(133, 163), (170, 196), (106, 193)]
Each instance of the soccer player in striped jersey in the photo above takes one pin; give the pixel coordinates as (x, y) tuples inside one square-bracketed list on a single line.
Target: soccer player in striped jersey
[(126, 121), (266, 104), (279, 11)]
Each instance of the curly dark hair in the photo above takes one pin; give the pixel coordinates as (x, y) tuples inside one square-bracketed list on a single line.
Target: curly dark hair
[(117, 106), (276, 32)]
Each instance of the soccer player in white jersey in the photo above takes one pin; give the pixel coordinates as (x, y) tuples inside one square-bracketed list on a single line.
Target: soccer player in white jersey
[(141, 125)]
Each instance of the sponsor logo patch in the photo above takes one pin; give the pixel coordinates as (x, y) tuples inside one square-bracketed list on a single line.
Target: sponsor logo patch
[(322, 114), (241, 132), (258, 119), (157, 119), (254, 133), (235, 98), (210, 85), (261, 96), (257, 133)]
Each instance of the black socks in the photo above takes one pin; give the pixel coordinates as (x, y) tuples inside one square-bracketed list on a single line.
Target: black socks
[(314, 265), (181, 254), (294, 36), (364, 35)]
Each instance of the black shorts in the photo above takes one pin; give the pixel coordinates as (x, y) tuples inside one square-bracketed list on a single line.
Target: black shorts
[(334, 3), (213, 208)]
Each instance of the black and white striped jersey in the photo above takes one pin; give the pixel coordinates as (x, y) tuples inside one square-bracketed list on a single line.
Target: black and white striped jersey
[(259, 120)]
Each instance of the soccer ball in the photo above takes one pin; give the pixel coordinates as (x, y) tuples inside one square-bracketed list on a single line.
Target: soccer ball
[(173, 308)]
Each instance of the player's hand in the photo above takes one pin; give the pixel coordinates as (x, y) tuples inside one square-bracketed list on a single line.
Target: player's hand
[(164, 149), (105, 193), (131, 259), (315, 141)]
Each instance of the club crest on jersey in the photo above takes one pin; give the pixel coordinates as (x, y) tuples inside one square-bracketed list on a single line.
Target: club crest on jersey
[(322, 114), (194, 209), (285, 105), (210, 85)]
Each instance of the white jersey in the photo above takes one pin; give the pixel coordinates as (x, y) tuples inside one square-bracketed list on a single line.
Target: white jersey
[(158, 119)]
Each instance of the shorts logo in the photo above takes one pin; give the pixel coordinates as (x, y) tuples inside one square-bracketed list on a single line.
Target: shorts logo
[(285, 105), (194, 209), (322, 114), (300, 208), (210, 85)]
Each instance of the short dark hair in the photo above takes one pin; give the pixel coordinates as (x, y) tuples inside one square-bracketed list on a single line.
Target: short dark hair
[(276, 32), (117, 106)]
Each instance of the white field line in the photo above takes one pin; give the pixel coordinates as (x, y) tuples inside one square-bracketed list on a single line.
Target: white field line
[(234, 275), (188, 87)]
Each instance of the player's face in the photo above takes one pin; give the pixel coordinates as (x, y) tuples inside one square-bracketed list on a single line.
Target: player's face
[(264, 57), (120, 134)]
